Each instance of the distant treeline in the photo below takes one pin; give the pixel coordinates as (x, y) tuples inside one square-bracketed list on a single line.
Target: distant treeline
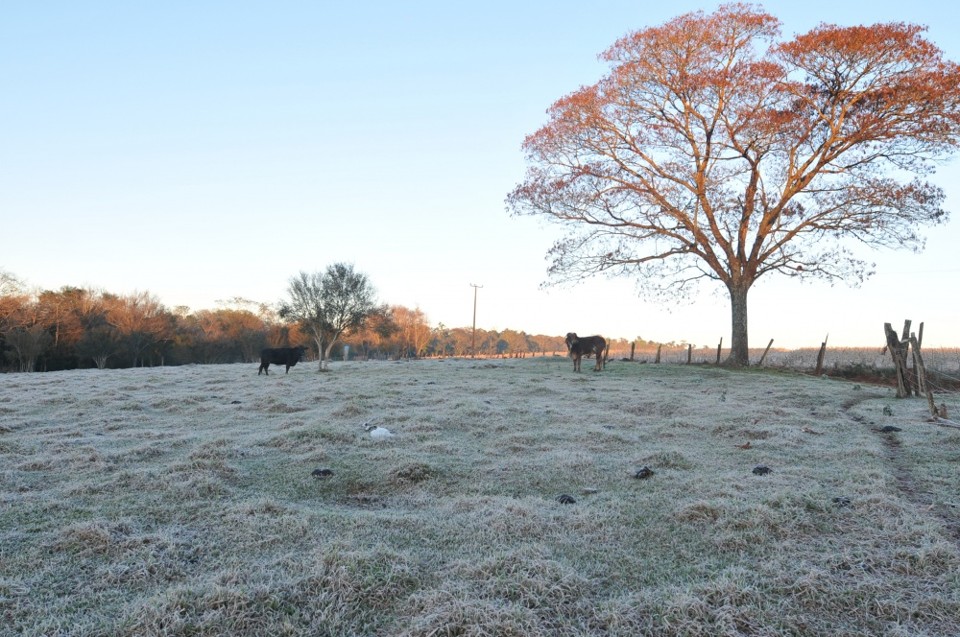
[(81, 328)]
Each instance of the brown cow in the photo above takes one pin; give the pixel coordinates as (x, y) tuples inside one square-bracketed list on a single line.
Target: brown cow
[(578, 347)]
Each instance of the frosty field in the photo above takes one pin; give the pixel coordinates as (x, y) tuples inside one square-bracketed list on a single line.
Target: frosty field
[(182, 501)]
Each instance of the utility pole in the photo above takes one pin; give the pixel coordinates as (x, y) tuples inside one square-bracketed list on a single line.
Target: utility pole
[(473, 342)]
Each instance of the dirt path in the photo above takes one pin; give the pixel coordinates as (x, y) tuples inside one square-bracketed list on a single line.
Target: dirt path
[(908, 484)]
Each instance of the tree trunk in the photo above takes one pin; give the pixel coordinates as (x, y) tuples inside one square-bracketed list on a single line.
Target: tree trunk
[(319, 342), (326, 355), (739, 343)]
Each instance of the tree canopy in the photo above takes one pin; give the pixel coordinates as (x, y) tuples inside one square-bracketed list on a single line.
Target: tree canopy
[(711, 151)]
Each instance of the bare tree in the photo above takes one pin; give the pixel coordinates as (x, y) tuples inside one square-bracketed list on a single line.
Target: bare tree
[(140, 320), (99, 343), (328, 304), (711, 152), (22, 328), (9, 284), (28, 343)]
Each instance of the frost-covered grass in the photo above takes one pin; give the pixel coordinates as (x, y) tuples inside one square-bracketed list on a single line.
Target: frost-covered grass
[(180, 501)]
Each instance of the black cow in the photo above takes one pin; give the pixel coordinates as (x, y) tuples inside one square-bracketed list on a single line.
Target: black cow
[(578, 347), (288, 356)]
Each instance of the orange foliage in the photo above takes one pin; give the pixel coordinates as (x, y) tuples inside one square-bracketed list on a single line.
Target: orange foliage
[(710, 151)]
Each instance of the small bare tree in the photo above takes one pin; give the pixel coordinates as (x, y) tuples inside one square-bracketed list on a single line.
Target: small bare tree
[(9, 284), (28, 343), (328, 304), (99, 343)]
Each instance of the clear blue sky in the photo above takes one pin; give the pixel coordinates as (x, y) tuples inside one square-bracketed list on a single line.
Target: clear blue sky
[(209, 150)]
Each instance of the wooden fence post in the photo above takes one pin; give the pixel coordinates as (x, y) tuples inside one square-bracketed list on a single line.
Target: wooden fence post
[(898, 353), (689, 352), (718, 350), (920, 382), (769, 345), (659, 347), (905, 336), (910, 376), (921, 371), (633, 348), (823, 350)]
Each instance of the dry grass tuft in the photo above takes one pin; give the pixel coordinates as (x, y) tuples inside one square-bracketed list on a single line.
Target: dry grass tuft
[(414, 472), (668, 460)]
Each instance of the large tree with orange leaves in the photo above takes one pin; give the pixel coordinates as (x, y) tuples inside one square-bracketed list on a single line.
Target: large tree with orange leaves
[(713, 151)]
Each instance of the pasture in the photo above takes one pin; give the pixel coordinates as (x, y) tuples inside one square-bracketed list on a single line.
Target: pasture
[(182, 501)]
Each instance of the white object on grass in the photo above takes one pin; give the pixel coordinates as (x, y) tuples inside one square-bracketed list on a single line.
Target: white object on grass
[(378, 432)]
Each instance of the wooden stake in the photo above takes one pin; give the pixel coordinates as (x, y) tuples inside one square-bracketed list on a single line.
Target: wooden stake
[(718, 350), (898, 353), (905, 335), (689, 353), (922, 374), (659, 347), (823, 350), (765, 352), (919, 372)]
